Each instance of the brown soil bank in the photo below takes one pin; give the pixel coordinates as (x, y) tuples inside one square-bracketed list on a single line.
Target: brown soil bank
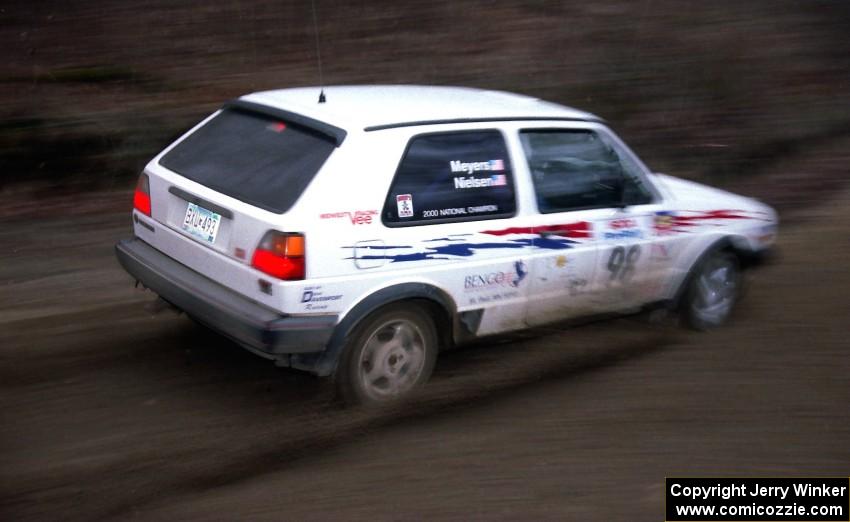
[(109, 412)]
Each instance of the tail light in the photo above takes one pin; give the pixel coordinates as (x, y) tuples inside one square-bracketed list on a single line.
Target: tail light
[(280, 255), (142, 196)]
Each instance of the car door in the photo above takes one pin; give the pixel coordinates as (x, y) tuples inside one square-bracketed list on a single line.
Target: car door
[(624, 277), (562, 266), (593, 230), (448, 204), (634, 262), (565, 255)]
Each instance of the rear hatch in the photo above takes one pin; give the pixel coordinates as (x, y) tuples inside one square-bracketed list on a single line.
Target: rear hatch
[(229, 181), (255, 157)]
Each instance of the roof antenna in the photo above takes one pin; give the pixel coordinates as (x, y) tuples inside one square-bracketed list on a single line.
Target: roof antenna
[(318, 54)]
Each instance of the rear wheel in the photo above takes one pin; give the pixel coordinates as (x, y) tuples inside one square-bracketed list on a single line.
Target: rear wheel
[(388, 356), (712, 291)]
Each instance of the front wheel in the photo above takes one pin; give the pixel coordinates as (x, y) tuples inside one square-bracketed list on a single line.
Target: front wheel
[(388, 355), (712, 291)]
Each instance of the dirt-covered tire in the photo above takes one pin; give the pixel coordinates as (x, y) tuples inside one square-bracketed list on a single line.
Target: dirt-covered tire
[(387, 356), (712, 291)]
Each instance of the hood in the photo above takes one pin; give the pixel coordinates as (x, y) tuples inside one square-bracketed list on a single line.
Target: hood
[(696, 196)]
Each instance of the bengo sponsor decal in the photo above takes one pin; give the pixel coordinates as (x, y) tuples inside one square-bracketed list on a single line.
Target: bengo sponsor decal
[(496, 278)]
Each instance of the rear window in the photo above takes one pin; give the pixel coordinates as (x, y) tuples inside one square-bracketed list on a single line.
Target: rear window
[(255, 158), (458, 176)]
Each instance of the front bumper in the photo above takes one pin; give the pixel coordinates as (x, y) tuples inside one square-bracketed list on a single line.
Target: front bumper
[(256, 327), (759, 258)]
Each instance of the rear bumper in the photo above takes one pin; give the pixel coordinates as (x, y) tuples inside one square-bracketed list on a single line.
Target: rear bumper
[(258, 328)]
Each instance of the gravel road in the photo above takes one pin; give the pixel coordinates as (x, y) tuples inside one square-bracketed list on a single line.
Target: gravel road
[(109, 411)]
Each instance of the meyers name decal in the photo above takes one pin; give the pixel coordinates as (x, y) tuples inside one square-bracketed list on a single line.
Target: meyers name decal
[(477, 166), (471, 167)]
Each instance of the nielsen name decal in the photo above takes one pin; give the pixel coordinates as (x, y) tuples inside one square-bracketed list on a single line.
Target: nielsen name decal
[(496, 180)]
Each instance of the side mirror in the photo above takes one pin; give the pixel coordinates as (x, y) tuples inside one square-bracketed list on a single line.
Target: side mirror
[(621, 192)]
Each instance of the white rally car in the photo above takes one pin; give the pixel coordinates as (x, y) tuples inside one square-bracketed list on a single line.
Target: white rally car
[(359, 236)]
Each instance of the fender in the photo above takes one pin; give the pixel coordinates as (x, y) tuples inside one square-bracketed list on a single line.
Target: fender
[(324, 363), (733, 243)]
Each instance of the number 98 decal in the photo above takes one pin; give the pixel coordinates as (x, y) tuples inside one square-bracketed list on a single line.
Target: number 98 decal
[(622, 262)]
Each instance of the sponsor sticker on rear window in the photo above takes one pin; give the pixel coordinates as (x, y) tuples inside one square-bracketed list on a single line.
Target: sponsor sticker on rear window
[(405, 205)]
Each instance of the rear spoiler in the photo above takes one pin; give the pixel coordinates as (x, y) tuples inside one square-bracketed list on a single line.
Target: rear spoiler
[(335, 134)]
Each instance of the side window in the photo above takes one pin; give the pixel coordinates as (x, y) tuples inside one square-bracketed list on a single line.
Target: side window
[(634, 191), (456, 176), (578, 169)]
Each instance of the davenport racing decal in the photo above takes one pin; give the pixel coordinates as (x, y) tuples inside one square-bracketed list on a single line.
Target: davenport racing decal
[(313, 298), (358, 217)]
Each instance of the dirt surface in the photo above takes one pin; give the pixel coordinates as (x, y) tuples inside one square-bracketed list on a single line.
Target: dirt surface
[(109, 411)]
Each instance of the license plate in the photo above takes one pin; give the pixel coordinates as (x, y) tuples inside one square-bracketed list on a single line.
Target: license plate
[(201, 223)]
